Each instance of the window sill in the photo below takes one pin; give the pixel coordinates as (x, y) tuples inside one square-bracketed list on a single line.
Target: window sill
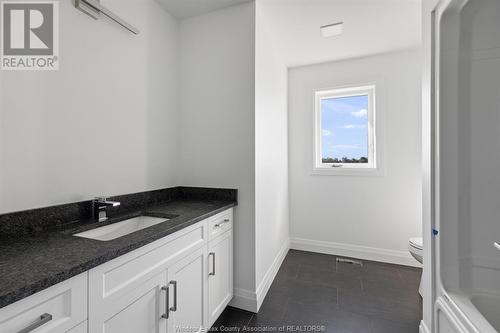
[(356, 172)]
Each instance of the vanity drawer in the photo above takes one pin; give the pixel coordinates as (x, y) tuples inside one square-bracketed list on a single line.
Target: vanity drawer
[(55, 310), (220, 223)]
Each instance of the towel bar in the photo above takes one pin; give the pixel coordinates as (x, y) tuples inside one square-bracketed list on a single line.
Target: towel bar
[(93, 8)]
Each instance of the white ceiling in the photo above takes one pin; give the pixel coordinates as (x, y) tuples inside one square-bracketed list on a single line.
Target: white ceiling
[(370, 27), (186, 8)]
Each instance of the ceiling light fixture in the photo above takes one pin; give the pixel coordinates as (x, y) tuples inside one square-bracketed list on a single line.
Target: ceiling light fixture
[(331, 30)]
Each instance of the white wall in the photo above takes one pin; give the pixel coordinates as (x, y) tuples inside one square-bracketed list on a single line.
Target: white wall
[(271, 156), (105, 123), (217, 92), (366, 217), (174, 105)]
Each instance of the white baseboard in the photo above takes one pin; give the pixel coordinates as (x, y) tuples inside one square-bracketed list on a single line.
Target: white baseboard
[(268, 278), (355, 251), (423, 327), (251, 301), (244, 299)]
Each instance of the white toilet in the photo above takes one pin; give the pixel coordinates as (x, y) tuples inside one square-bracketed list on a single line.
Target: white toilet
[(416, 248)]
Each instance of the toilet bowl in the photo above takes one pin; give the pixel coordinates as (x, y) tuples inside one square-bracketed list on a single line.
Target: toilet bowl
[(416, 248)]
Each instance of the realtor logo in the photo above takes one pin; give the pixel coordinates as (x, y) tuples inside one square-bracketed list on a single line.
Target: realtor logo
[(30, 35)]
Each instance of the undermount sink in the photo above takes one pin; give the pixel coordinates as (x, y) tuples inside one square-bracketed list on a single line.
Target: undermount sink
[(122, 228)]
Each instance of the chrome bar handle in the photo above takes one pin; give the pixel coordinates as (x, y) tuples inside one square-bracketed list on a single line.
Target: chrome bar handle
[(42, 320), (166, 315), (218, 225), (213, 263), (497, 245), (174, 307)]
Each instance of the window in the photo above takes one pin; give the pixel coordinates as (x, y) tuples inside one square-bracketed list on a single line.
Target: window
[(344, 129)]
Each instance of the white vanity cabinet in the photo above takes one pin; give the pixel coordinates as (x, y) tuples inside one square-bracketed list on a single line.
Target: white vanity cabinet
[(133, 287), (165, 286), (203, 281), (170, 285)]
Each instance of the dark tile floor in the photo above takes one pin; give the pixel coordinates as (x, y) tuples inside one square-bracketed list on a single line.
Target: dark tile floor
[(314, 293)]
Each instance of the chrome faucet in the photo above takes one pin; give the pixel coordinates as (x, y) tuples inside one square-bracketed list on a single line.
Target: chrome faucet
[(99, 205)]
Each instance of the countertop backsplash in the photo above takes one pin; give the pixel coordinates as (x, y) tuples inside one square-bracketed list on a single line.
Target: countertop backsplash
[(58, 217)]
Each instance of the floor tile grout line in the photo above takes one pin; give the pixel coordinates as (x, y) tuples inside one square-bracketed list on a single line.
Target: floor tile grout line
[(299, 267), (338, 298), (284, 308), (249, 320)]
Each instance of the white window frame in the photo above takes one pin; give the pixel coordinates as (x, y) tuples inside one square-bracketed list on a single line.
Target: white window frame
[(346, 168)]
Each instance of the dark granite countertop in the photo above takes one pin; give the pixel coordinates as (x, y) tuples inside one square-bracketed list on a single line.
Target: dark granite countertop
[(35, 262)]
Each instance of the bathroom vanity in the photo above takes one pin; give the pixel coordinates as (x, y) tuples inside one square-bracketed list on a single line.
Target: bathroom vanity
[(179, 282)]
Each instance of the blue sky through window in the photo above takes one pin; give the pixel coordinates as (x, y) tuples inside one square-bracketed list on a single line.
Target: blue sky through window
[(344, 124)]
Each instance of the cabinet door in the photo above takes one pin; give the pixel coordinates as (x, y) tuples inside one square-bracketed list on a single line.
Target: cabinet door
[(220, 276), (138, 310), (188, 293)]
